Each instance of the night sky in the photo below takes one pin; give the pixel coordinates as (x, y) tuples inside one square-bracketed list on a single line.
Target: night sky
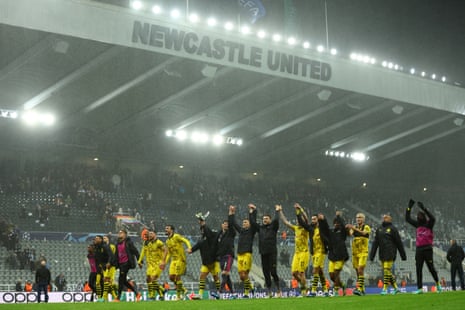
[(426, 34)]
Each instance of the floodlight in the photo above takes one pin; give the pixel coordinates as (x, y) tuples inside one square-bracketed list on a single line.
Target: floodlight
[(390, 65), (239, 142), (245, 29), (333, 51), (423, 73), (261, 34), (156, 9), (384, 63), (194, 18), (47, 119), (175, 13), (353, 56), (306, 44), (443, 79), (433, 76), (396, 67), (169, 133), (277, 37), (366, 59), (30, 118), (291, 41), (136, 4), (320, 48), (211, 21), (229, 26), (181, 135), (218, 140), (412, 71), (358, 156)]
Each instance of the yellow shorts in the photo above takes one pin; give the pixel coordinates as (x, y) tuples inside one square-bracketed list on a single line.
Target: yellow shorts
[(244, 262), (214, 268), (336, 265), (300, 261), (359, 260), (153, 270), (177, 267), (109, 273), (318, 260)]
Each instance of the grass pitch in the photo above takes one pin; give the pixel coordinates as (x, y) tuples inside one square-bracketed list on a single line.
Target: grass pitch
[(446, 300)]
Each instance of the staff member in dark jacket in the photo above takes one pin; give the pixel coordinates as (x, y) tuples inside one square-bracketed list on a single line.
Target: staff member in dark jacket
[(267, 240), (455, 256), (388, 240), (127, 256), (43, 279), (337, 251), (244, 245), (226, 254), (208, 246)]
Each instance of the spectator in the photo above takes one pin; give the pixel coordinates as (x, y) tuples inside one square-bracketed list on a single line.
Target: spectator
[(455, 256), (19, 286), (60, 282)]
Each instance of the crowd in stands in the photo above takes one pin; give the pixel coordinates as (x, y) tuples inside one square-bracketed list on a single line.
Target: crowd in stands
[(81, 187)]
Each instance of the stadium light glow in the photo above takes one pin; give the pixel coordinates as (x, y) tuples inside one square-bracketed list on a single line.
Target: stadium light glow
[(356, 156), (433, 76), (229, 26), (261, 34), (8, 114), (203, 137), (32, 118), (333, 51), (291, 41), (443, 79), (320, 48), (199, 137), (277, 37), (412, 71), (218, 140), (384, 63), (156, 9), (181, 135), (175, 13), (306, 45), (211, 21), (194, 18), (423, 73), (136, 4), (245, 29)]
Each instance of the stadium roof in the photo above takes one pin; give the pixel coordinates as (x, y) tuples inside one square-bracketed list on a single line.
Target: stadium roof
[(118, 79)]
